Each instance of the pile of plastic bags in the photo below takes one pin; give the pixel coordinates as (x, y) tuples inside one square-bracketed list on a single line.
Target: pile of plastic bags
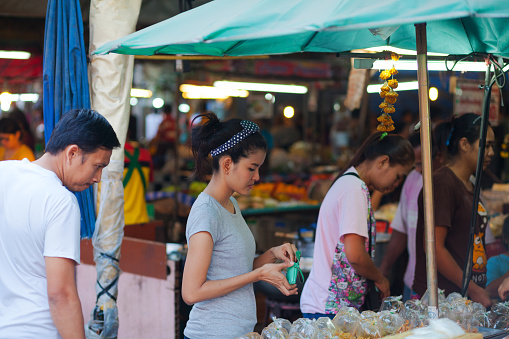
[(394, 317)]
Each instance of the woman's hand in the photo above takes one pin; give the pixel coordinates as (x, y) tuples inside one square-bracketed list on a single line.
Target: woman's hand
[(285, 252), (503, 289), (271, 273), (384, 287), (479, 294)]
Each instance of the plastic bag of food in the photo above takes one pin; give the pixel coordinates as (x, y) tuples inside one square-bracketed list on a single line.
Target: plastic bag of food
[(392, 303), (390, 322), (500, 308), (443, 309), (477, 319), (425, 297), (413, 305), (369, 314), (414, 319), (460, 309), (304, 327), (281, 323), (368, 328), (346, 320), (274, 333), (453, 296), (323, 333), (325, 323), (502, 323), (251, 335), (477, 307)]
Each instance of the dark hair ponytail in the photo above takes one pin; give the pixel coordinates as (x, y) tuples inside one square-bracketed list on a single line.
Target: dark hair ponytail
[(466, 126), (398, 149), (213, 133)]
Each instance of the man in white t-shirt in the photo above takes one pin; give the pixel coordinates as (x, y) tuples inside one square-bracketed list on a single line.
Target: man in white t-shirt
[(40, 228)]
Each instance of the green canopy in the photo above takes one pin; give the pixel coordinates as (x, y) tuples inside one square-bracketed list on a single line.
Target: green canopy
[(263, 27)]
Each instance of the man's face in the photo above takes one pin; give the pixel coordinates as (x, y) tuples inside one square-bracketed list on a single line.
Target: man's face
[(84, 170)]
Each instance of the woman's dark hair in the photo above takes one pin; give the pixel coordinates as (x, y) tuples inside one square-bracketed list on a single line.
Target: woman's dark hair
[(213, 133), (9, 126), (467, 126), (85, 128), (440, 135), (398, 149)]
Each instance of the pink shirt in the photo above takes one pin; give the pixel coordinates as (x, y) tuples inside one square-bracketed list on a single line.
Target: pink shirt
[(405, 219), (344, 210)]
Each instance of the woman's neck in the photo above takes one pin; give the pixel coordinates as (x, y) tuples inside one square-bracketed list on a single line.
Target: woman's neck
[(364, 173), (461, 171), (218, 190)]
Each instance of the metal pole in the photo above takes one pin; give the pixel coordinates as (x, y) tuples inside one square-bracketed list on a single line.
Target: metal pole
[(429, 216), (467, 268)]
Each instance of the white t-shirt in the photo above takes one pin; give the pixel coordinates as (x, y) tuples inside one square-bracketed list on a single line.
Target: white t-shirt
[(343, 211), (405, 219), (38, 218)]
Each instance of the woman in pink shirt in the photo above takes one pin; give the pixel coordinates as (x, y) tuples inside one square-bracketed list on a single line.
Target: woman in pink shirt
[(341, 260)]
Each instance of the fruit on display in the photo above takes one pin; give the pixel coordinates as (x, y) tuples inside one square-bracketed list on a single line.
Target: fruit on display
[(273, 194)]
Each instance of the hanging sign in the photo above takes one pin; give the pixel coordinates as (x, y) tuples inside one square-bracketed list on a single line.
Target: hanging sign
[(468, 98)]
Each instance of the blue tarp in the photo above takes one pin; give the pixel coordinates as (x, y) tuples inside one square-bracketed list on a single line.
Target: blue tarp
[(65, 81)]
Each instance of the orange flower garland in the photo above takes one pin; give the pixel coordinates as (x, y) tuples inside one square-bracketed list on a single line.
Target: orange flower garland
[(389, 95)]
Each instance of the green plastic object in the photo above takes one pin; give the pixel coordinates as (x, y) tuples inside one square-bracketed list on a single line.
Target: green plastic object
[(294, 271)]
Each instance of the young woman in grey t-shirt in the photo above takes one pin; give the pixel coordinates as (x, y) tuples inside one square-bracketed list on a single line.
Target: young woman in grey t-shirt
[(221, 266)]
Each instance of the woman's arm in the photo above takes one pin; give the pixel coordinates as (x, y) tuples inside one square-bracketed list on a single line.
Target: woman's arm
[(448, 267), (362, 263), (196, 287)]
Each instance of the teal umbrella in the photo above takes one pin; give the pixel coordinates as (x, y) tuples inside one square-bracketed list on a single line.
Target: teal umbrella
[(262, 27)]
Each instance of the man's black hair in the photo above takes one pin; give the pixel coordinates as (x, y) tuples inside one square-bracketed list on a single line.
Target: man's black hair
[(85, 128)]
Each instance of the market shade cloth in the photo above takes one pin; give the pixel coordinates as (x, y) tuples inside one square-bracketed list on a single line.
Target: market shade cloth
[(261, 27), (65, 81)]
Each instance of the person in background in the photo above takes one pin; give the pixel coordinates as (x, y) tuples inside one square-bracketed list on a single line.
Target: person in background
[(137, 176), (40, 228), (404, 224), (346, 225), (221, 266), (12, 146), (453, 198), (164, 140), (20, 117), (498, 266)]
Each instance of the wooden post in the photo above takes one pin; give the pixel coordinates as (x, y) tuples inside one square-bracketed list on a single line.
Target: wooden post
[(429, 216)]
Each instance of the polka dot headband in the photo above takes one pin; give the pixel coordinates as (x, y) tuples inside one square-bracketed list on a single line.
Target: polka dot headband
[(248, 129)]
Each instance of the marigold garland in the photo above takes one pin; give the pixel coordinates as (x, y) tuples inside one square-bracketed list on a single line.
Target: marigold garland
[(389, 95)]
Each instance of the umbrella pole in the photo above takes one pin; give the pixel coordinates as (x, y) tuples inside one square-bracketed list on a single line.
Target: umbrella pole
[(467, 268), (429, 227)]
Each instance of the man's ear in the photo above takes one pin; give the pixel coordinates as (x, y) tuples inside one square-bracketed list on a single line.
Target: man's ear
[(71, 153)]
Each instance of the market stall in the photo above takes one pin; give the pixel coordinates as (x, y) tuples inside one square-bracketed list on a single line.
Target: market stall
[(298, 37)]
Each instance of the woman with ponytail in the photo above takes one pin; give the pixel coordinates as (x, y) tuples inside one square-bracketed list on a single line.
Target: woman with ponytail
[(342, 260), (221, 266), (453, 195)]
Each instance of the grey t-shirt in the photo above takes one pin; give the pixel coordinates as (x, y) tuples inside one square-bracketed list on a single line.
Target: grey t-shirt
[(233, 314)]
